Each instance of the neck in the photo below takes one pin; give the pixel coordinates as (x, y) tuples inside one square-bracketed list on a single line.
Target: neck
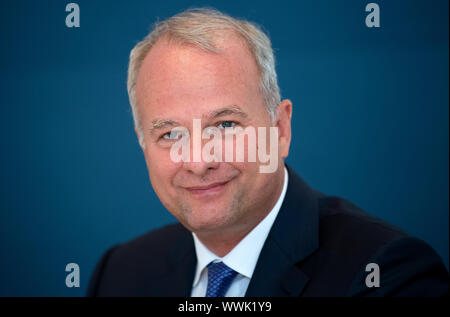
[(221, 244)]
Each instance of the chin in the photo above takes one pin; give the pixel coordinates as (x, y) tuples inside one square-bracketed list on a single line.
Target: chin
[(206, 220)]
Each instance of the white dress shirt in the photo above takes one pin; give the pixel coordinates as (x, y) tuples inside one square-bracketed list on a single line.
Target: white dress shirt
[(242, 258)]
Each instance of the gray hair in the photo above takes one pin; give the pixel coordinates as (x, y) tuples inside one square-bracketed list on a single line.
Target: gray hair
[(197, 27)]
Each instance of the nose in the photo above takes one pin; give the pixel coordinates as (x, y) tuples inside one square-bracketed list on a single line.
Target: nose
[(198, 164), (200, 168)]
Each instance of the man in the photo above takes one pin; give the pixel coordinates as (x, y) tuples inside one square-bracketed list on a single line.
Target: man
[(242, 232)]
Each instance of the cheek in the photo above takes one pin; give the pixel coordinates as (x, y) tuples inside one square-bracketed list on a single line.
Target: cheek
[(248, 174), (161, 169), (241, 149), (252, 178)]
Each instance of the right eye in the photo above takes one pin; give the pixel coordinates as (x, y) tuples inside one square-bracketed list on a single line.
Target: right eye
[(172, 135)]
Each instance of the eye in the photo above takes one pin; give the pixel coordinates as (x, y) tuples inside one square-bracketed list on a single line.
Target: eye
[(172, 135), (226, 124)]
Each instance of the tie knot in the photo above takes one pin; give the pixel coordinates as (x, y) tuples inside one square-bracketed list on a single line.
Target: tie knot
[(220, 277)]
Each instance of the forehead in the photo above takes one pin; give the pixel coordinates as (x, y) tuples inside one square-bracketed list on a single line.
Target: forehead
[(179, 76)]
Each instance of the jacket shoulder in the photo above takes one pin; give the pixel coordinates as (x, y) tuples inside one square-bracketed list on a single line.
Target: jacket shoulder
[(146, 255), (350, 239), (341, 221), (159, 240)]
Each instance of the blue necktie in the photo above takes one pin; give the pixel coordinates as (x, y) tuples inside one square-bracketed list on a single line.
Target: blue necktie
[(220, 277)]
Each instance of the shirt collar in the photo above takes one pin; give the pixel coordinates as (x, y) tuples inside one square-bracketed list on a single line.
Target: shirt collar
[(243, 257)]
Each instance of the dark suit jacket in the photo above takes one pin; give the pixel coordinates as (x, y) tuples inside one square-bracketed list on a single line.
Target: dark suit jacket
[(318, 246)]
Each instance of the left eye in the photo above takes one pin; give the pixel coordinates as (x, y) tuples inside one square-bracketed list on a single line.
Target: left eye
[(226, 124), (172, 135)]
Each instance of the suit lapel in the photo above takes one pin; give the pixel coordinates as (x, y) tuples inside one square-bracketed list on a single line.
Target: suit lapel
[(293, 237)]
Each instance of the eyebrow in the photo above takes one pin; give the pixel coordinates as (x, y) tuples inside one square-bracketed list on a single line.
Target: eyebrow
[(159, 124), (225, 111)]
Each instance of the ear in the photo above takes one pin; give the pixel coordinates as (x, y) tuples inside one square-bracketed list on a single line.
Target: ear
[(138, 137), (284, 116)]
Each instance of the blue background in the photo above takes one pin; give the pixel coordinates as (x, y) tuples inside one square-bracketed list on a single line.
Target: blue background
[(371, 123)]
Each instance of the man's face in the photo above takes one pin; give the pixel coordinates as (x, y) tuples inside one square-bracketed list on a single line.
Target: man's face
[(179, 83)]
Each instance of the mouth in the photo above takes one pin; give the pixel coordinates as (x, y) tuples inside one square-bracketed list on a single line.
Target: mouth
[(208, 190)]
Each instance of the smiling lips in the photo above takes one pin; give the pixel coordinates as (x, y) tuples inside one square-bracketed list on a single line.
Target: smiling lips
[(207, 189)]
